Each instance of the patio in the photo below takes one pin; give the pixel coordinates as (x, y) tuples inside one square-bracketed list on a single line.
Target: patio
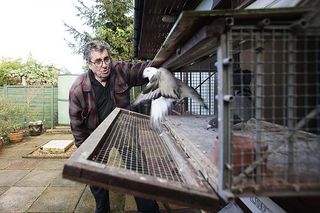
[(36, 185)]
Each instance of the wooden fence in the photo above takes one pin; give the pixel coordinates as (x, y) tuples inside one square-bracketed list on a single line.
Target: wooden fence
[(43, 101)]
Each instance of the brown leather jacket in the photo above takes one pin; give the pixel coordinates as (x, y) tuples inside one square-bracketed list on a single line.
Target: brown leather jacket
[(82, 108)]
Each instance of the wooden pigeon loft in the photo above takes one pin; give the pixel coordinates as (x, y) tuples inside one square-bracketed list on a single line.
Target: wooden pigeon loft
[(177, 166)]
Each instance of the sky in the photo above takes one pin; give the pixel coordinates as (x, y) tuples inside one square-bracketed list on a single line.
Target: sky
[(36, 27)]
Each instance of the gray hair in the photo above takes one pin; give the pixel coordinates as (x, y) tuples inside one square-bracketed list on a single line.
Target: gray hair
[(94, 46)]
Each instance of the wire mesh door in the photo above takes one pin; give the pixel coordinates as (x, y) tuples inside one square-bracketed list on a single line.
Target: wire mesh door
[(124, 154), (269, 110), (131, 146)]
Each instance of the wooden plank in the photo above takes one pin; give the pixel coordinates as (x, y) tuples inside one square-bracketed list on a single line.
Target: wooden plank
[(197, 142), (141, 185), (201, 44)]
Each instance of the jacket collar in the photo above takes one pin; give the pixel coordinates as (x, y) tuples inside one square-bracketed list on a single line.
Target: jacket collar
[(86, 84)]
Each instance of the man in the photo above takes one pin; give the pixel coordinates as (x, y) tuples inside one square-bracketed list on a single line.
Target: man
[(94, 95)]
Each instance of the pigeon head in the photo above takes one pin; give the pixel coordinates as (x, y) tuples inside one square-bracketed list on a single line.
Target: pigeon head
[(149, 72)]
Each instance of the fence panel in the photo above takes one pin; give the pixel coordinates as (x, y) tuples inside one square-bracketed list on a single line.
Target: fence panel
[(42, 100)]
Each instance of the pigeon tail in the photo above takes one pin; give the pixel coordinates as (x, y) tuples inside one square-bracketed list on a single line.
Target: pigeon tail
[(159, 109), (199, 99)]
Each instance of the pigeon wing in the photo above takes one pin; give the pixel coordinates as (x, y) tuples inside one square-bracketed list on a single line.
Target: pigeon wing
[(146, 97), (152, 85), (186, 91), (150, 92), (168, 85)]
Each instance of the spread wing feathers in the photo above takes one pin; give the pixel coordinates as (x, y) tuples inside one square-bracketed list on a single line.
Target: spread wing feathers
[(168, 84), (146, 97), (186, 91), (160, 84), (163, 89)]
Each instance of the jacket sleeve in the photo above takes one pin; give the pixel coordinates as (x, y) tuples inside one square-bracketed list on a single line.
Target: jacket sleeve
[(78, 117), (134, 73)]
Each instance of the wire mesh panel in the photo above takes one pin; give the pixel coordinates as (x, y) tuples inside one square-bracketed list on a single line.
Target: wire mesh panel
[(271, 111), (130, 145), (124, 154), (203, 82)]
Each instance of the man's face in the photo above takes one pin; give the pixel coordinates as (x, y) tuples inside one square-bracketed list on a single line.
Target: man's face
[(100, 64)]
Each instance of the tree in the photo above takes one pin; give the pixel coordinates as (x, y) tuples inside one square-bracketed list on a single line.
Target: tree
[(38, 74), (13, 71), (109, 21), (7, 68)]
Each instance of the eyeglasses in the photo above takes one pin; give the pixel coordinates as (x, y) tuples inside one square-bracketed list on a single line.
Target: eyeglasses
[(99, 62)]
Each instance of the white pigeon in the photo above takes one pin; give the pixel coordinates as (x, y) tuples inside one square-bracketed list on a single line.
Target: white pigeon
[(163, 89)]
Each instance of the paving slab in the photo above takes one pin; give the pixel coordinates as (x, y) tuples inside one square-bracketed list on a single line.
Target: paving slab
[(25, 144), (130, 204), (38, 178), (86, 203), (51, 164), (117, 201), (3, 189), (47, 137), (22, 164), (4, 163), (60, 181), (19, 199), (36, 185), (10, 177), (11, 152), (57, 199)]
